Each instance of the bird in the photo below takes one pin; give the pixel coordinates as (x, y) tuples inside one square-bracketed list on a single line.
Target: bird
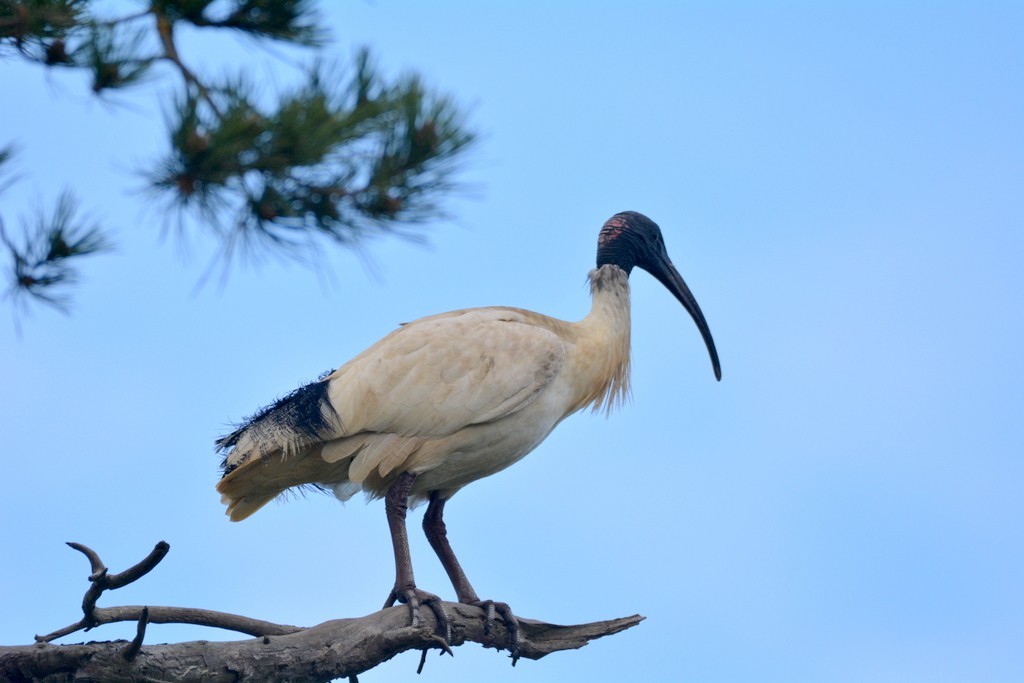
[(448, 399)]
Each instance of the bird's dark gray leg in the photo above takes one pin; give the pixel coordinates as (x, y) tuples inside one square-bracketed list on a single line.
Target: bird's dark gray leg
[(396, 504), (437, 534)]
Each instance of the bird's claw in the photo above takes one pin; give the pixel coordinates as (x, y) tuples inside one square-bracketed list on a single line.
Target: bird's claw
[(414, 597), (515, 635)]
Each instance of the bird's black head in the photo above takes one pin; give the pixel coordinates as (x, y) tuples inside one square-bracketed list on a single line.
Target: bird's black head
[(630, 239)]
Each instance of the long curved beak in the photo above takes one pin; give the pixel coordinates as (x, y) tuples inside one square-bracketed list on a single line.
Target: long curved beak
[(667, 275)]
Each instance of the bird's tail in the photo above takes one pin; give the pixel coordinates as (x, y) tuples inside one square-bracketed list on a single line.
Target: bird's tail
[(251, 486), (271, 451), (300, 419), (240, 508)]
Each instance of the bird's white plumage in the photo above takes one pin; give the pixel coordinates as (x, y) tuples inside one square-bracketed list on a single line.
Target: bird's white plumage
[(439, 374), (451, 398)]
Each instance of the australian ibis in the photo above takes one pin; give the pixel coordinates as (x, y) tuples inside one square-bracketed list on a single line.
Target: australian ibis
[(446, 400)]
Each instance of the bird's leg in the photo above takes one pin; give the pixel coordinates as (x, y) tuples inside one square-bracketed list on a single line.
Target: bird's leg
[(437, 534), (396, 504)]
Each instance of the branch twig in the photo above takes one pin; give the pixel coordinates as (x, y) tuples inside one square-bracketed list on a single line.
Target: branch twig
[(133, 648), (175, 615), (101, 580), (165, 29)]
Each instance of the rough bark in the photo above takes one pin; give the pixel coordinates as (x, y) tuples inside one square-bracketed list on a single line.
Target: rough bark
[(334, 649)]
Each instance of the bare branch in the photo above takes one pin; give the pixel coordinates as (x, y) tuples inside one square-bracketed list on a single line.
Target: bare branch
[(174, 615), (98, 568), (140, 569), (100, 581), (130, 652), (334, 649)]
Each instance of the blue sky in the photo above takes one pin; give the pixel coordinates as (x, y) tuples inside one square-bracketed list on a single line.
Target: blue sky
[(840, 186)]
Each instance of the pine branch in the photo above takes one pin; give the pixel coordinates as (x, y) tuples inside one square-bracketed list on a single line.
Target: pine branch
[(41, 267), (38, 29), (294, 21), (345, 162), (342, 157)]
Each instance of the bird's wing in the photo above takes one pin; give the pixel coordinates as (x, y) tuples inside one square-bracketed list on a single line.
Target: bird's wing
[(436, 375)]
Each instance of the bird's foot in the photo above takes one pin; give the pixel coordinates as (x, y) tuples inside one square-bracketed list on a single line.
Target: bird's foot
[(414, 597), (515, 635)]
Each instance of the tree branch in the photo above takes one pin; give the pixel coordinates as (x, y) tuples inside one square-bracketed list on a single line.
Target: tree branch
[(174, 615), (333, 649), (130, 652), (100, 580)]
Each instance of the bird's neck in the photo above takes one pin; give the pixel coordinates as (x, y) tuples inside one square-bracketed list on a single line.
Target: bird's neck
[(604, 339)]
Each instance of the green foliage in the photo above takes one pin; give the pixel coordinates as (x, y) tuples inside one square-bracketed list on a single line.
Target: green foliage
[(337, 161), (40, 262), (293, 21), (38, 28), (114, 54), (346, 155)]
